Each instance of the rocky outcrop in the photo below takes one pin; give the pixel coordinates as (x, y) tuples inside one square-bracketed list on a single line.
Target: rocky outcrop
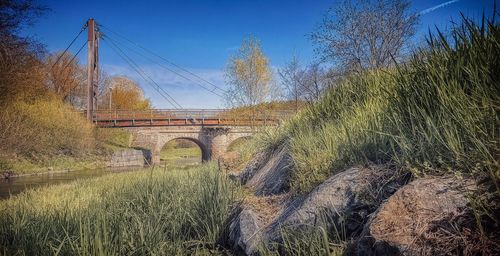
[(129, 158), (344, 200), (252, 167), (404, 224), (243, 234), (371, 206), (273, 177)]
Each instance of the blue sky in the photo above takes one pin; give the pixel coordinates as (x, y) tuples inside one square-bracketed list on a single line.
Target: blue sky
[(201, 35)]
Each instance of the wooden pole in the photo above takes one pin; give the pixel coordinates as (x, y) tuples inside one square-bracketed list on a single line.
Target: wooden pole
[(90, 68), (96, 68), (110, 97)]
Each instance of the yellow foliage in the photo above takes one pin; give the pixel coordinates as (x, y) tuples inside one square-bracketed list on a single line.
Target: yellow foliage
[(46, 126), (125, 94), (249, 75)]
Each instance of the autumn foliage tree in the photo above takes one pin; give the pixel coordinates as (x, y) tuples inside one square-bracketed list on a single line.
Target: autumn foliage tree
[(249, 76), (20, 67), (125, 94), (64, 74)]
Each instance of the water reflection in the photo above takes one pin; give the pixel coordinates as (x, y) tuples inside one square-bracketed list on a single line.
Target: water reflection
[(16, 185)]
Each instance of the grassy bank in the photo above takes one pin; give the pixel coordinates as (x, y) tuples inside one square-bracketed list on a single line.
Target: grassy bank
[(435, 114), (23, 165), (139, 213), (47, 134)]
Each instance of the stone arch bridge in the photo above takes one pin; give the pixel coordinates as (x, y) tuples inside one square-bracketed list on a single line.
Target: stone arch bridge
[(212, 130), (213, 141)]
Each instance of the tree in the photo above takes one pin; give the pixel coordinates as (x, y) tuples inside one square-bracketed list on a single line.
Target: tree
[(65, 75), (305, 84), (124, 94), (292, 78), (21, 71), (14, 14), (316, 80), (249, 76), (365, 34)]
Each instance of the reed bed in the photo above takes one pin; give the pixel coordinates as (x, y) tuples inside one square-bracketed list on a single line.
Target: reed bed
[(154, 212)]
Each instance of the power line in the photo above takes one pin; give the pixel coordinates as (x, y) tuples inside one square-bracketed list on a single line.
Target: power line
[(74, 57), (148, 79), (165, 67), (70, 44), (137, 69), (164, 59)]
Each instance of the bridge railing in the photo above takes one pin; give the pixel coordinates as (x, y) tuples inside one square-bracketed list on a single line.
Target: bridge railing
[(159, 117)]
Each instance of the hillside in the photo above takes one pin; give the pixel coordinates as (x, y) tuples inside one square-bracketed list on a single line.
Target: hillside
[(418, 140)]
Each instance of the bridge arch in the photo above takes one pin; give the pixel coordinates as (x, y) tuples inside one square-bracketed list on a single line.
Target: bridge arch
[(205, 153), (213, 141)]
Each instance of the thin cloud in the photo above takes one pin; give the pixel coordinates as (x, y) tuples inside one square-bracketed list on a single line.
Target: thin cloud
[(188, 93), (428, 10)]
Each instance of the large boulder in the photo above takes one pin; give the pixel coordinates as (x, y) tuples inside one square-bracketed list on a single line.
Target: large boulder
[(273, 177), (404, 225), (243, 233), (344, 200), (252, 167)]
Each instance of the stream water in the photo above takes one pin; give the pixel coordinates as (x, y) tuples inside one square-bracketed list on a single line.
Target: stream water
[(16, 185)]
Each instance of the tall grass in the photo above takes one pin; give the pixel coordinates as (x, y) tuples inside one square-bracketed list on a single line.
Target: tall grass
[(445, 109), (44, 127), (140, 213), (436, 113)]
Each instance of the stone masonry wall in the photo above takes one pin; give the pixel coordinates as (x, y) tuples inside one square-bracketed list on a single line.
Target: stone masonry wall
[(128, 158), (213, 141)]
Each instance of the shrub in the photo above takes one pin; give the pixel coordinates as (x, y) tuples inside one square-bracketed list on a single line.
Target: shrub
[(44, 127)]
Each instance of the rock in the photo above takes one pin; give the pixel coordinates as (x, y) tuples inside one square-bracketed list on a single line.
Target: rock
[(403, 223), (344, 200), (273, 177), (233, 176), (253, 166), (244, 234)]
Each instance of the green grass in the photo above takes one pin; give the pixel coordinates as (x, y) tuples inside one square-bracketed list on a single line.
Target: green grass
[(172, 154), (139, 213), (23, 165), (435, 114), (113, 139), (107, 140)]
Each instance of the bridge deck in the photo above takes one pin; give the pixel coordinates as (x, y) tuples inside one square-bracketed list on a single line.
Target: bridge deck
[(202, 117)]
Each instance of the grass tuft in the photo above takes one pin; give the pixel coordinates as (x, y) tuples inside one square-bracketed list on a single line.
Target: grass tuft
[(140, 213), (435, 114)]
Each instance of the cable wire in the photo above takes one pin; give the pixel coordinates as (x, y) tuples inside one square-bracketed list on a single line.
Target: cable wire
[(70, 44), (74, 57), (164, 59), (163, 66), (141, 73), (148, 79)]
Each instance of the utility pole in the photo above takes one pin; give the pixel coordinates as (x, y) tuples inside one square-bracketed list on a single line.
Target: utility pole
[(110, 97), (92, 68)]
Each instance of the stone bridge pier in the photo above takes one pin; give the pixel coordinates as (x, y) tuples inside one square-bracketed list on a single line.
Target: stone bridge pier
[(212, 140)]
